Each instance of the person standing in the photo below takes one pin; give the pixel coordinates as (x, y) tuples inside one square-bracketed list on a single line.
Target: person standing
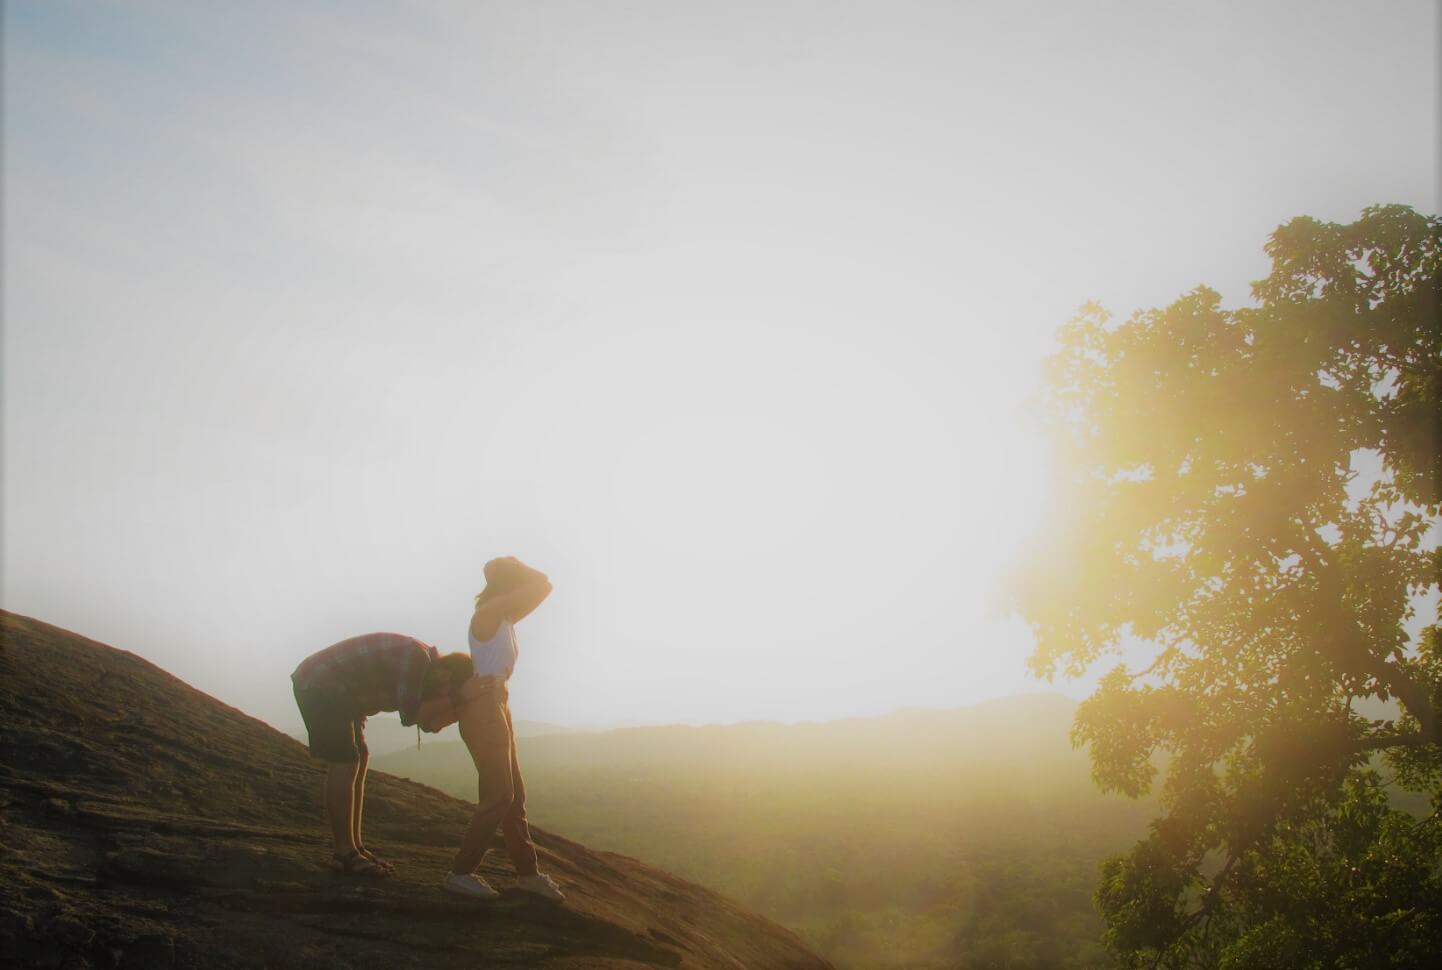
[(513, 590), (336, 689)]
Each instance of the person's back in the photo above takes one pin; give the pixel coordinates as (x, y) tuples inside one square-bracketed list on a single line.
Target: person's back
[(384, 666)]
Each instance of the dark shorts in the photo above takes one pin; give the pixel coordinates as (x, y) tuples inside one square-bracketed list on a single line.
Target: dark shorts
[(336, 734)]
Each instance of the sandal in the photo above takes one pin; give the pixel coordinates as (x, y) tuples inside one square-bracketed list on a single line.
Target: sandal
[(384, 864), (355, 864)]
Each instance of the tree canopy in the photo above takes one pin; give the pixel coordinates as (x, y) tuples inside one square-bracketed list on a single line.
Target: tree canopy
[(1252, 496)]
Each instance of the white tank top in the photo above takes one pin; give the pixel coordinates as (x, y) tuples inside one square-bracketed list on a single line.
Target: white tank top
[(495, 657)]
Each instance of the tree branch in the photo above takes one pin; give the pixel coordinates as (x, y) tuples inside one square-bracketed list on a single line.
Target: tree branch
[(1382, 741), (1412, 693)]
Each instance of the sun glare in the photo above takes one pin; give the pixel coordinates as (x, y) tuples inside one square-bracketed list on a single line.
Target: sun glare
[(814, 512)]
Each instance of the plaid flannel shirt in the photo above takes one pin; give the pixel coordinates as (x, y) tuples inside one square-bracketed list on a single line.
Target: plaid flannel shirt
[(375, 660)]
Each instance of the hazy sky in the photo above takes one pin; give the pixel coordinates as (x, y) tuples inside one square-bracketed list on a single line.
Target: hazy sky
[(723, 314)]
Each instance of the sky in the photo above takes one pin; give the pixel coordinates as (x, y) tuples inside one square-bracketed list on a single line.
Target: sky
[(724, 315)]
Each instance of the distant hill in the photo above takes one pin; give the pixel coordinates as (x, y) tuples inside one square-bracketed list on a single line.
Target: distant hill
[(1024, 738), (144, 824), (384, 733), (955, 838)]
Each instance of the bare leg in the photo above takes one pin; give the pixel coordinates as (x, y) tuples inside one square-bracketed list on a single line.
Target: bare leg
[(340, 786), (358, 791)]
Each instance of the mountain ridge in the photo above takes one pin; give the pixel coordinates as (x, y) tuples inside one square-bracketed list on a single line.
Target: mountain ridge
[(147, 824), (385, 735), (804, 747)]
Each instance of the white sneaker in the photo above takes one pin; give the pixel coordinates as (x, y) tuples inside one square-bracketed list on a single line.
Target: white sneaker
[(542, 885), (469, 885)]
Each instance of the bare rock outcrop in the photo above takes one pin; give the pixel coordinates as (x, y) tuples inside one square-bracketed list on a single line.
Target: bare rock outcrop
[(145, 824)]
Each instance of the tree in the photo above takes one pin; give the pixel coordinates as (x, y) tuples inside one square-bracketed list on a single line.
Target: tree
[(1252, 495)]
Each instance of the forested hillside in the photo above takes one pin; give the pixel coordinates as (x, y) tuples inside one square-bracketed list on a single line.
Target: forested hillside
[(967, 837)]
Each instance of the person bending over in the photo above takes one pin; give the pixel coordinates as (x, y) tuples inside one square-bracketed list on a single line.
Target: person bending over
[(512, 591), (336, 689)]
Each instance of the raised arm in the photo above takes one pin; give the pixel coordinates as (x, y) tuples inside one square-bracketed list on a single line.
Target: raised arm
[(523, 589)]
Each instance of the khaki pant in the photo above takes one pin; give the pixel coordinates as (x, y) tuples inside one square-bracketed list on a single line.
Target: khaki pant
[(501, 800)]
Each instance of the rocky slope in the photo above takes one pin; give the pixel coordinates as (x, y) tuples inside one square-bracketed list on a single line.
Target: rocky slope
[(146, 824)]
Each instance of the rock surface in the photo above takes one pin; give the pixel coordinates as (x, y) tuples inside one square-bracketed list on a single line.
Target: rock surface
[(145, 824)]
